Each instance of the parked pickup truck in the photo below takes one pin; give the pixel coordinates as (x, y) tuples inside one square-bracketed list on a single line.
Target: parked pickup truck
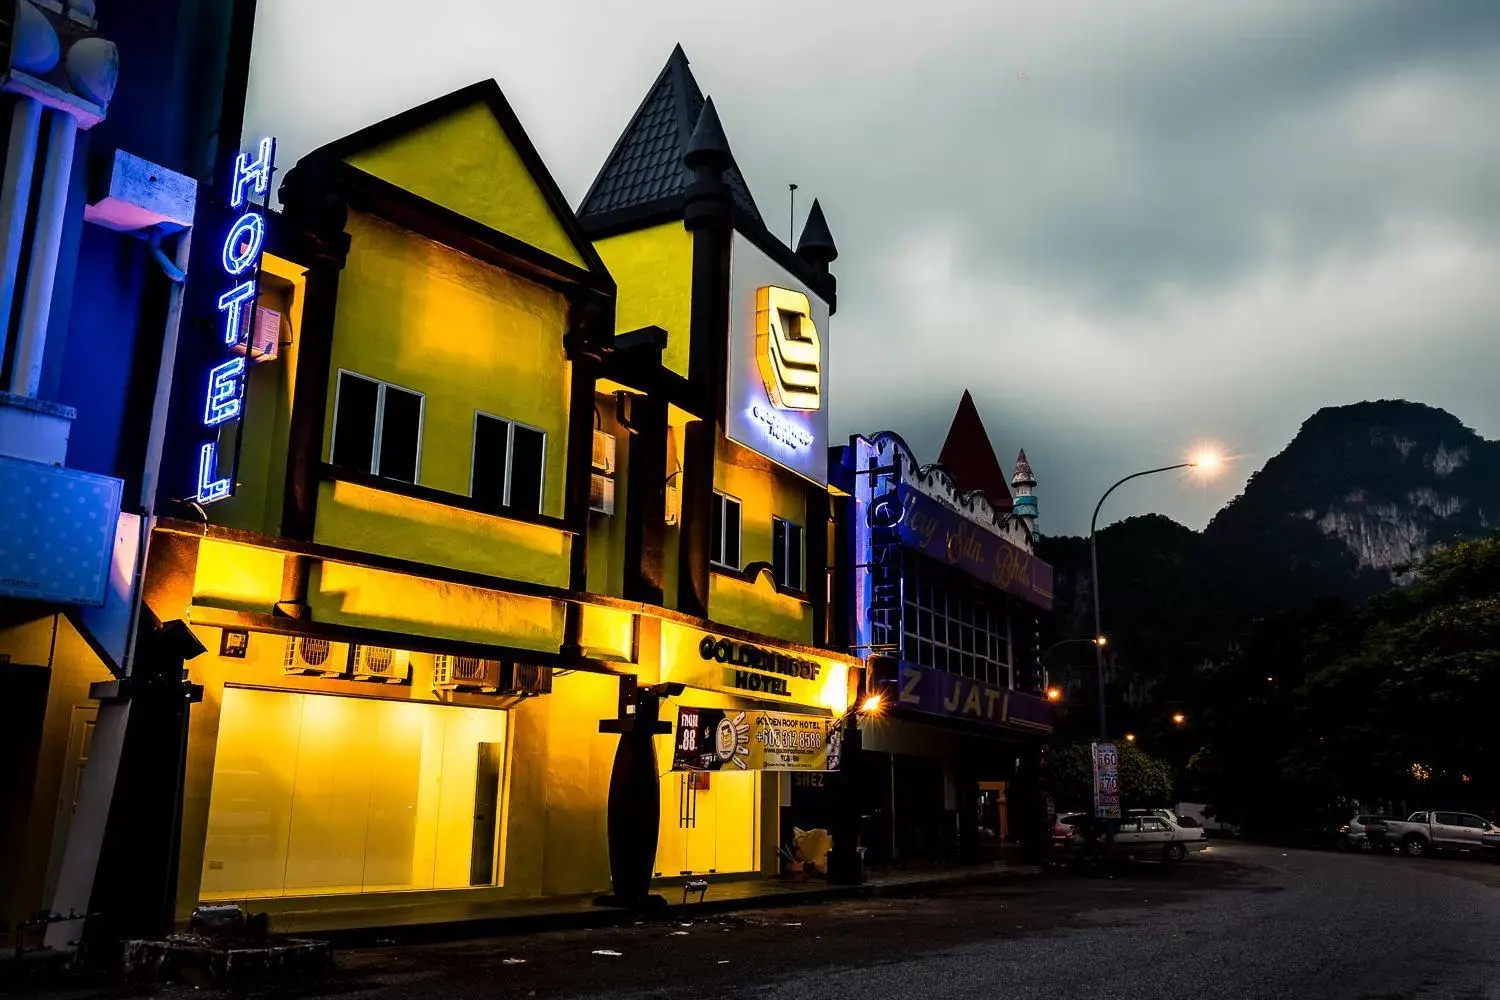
[(1424, 832)]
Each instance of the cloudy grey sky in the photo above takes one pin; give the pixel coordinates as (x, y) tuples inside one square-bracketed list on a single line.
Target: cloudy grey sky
[(1126, 225)]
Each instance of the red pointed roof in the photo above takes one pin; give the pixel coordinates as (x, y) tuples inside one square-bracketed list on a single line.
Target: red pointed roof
[(970, 459)]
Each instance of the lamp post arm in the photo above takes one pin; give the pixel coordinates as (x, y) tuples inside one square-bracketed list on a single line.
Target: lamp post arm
[(1134, 475), (1094, 579)]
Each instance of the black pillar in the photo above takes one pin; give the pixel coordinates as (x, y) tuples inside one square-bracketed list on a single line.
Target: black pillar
[(634, 811)]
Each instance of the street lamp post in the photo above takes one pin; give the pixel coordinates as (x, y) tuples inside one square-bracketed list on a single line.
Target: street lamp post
[(1094, 579)]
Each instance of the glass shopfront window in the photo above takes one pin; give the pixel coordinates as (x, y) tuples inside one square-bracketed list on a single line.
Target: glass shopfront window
[(317, 795), (951, 623)]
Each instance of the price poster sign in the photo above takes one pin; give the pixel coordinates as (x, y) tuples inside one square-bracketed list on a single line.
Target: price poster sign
[(728, 739), (1106, 781)]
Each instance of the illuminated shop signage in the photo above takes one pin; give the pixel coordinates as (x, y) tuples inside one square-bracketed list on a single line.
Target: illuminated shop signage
[(937, 692), (725, 739), (778, 360), (758, 670), (239, 257), (791, 354)]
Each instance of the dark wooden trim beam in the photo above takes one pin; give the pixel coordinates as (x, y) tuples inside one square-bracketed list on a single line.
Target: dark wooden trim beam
[(646, 500), (427, 494)]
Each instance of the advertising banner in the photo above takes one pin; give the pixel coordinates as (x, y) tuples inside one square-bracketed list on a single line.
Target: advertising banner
[(728, 739), (1106, 781)]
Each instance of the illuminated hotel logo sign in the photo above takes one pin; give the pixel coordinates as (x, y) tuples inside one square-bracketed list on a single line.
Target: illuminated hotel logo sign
[(224, 394), (778, 359), (791, 355)]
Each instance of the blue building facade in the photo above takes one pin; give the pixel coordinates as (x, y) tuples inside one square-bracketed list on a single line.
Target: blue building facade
[(122, 115)]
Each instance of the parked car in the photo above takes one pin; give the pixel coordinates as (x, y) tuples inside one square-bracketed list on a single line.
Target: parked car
[(1144, 836), (1354, 835), (1067, 826), (1165, 814), (1438, 830), (1489, 846)]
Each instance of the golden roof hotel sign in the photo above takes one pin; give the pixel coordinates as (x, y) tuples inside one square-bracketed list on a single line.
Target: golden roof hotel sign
[(713, 662), (778, 363)]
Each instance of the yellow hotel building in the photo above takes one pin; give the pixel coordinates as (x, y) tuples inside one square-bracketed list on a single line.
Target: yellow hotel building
[(519, 483)]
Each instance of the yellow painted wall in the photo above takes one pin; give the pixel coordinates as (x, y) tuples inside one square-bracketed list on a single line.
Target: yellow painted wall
[(369, 520), (554, 797), (653, 271), (243, 578), (468, 335), (763, 494), (368, 598), (465, 163)]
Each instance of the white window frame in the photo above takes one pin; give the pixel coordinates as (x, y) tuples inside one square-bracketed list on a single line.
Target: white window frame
[(381, 385), (718, 543), (798, 585), (510, 457)]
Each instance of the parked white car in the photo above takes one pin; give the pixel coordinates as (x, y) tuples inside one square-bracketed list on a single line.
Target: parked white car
[(1144, 836)]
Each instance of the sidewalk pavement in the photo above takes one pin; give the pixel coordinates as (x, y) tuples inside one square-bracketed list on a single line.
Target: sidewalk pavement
[(418, 921)]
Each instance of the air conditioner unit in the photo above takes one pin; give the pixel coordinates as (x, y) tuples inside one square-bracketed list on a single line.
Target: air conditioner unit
[(265, 335), (604, 453), (380, 663), (465, 673), (602, 495), (527, 680), (317, 657)]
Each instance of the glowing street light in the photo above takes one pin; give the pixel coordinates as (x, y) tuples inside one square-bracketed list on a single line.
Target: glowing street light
[(872, 705), (1179, 718), (1054, 694), (1130, 737)]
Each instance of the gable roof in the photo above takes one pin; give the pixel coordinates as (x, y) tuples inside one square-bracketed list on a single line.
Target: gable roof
[(970, 459), (643, 179), (488, 94)]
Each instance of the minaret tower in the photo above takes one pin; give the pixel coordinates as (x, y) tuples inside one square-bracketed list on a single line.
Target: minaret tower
[(1024, 481)]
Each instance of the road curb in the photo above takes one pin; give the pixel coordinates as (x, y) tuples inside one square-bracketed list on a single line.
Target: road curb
[(595, 918)]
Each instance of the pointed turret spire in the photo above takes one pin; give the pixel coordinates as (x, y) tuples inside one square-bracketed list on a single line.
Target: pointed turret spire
[(816, 245), (970, 459), (1025, 481), (644, 179), (707, 145)]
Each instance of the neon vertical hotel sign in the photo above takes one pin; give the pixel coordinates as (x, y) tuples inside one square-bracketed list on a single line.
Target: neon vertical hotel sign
[(224, 395)]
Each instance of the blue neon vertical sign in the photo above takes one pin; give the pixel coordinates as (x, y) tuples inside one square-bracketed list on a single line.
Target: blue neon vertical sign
[(244, 242)]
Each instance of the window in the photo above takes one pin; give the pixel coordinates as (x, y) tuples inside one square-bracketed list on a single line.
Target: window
[(724, 532), (509, 463), (786, 553), (954, 624), (1151, 824), (1447, 819), (377, 428)]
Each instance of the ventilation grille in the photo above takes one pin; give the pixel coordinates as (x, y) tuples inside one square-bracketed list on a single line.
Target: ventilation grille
[(311, 655), (380, 663)]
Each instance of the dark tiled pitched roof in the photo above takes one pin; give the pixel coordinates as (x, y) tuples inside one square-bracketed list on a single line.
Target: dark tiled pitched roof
[(644, 172)]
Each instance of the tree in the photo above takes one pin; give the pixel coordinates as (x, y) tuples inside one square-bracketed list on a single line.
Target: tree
[(1145, 781)]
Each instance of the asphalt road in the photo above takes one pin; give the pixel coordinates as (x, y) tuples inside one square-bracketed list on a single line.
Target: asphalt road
[(1244, 921)]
